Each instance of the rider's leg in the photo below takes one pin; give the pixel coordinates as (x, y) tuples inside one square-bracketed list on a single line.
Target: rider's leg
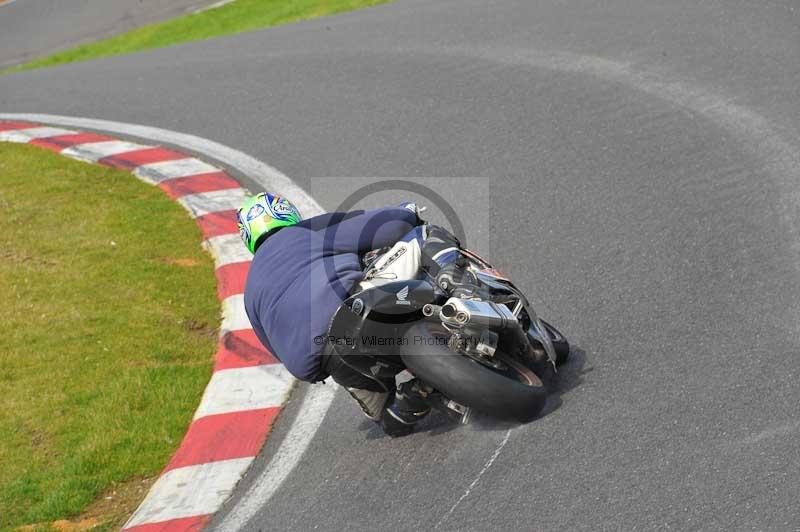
[(370, 393), (397, 409), (407, 408)]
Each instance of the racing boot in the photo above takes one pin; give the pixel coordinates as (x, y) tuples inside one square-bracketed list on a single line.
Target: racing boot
[(406, 409), (371, 403)]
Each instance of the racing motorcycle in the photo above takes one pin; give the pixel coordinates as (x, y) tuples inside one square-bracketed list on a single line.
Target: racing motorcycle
[(468, 334)]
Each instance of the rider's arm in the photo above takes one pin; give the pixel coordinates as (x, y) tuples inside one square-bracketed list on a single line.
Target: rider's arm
[(370, 230)]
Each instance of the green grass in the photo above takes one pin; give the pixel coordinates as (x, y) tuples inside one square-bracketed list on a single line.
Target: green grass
[(239, 16), (107, 332)]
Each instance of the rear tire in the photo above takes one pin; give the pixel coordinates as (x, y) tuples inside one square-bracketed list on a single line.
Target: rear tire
[(512, 392)]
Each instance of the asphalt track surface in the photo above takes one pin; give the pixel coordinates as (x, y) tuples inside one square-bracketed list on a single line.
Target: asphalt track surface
[(31, 28), (643, 186)]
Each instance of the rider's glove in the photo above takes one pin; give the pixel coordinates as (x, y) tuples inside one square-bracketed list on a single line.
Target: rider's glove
[(416, 209)]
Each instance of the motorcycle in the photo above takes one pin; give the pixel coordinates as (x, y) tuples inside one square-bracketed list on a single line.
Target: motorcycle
[(468, 334)]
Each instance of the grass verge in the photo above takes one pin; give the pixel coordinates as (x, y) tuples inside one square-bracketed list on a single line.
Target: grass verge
[(235, 17), (109, 321)]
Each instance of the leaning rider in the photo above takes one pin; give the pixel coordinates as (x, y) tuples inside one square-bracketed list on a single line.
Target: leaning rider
[(302, 271)]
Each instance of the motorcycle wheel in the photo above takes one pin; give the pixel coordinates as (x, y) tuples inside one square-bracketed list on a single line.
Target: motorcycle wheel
[(504, 390)]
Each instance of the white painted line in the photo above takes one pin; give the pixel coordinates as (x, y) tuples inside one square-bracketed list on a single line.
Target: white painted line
[(92, 152), (477, 479), (27, 135), (215, 201), (240, 389), (305, 425), (266, 176), (227, 249), (189, 491), (215, 5), (234, 317), (155, 173)]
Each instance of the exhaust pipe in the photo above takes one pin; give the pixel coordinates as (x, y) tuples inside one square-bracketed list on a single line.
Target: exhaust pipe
[(463, 312)]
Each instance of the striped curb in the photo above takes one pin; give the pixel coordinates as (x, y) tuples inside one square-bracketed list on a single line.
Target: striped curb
[(249, 386)]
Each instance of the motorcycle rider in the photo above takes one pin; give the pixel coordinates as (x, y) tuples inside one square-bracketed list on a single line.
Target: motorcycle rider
[(303, 270)]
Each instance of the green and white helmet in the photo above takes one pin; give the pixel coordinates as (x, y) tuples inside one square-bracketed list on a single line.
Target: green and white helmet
[(263, 213)]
